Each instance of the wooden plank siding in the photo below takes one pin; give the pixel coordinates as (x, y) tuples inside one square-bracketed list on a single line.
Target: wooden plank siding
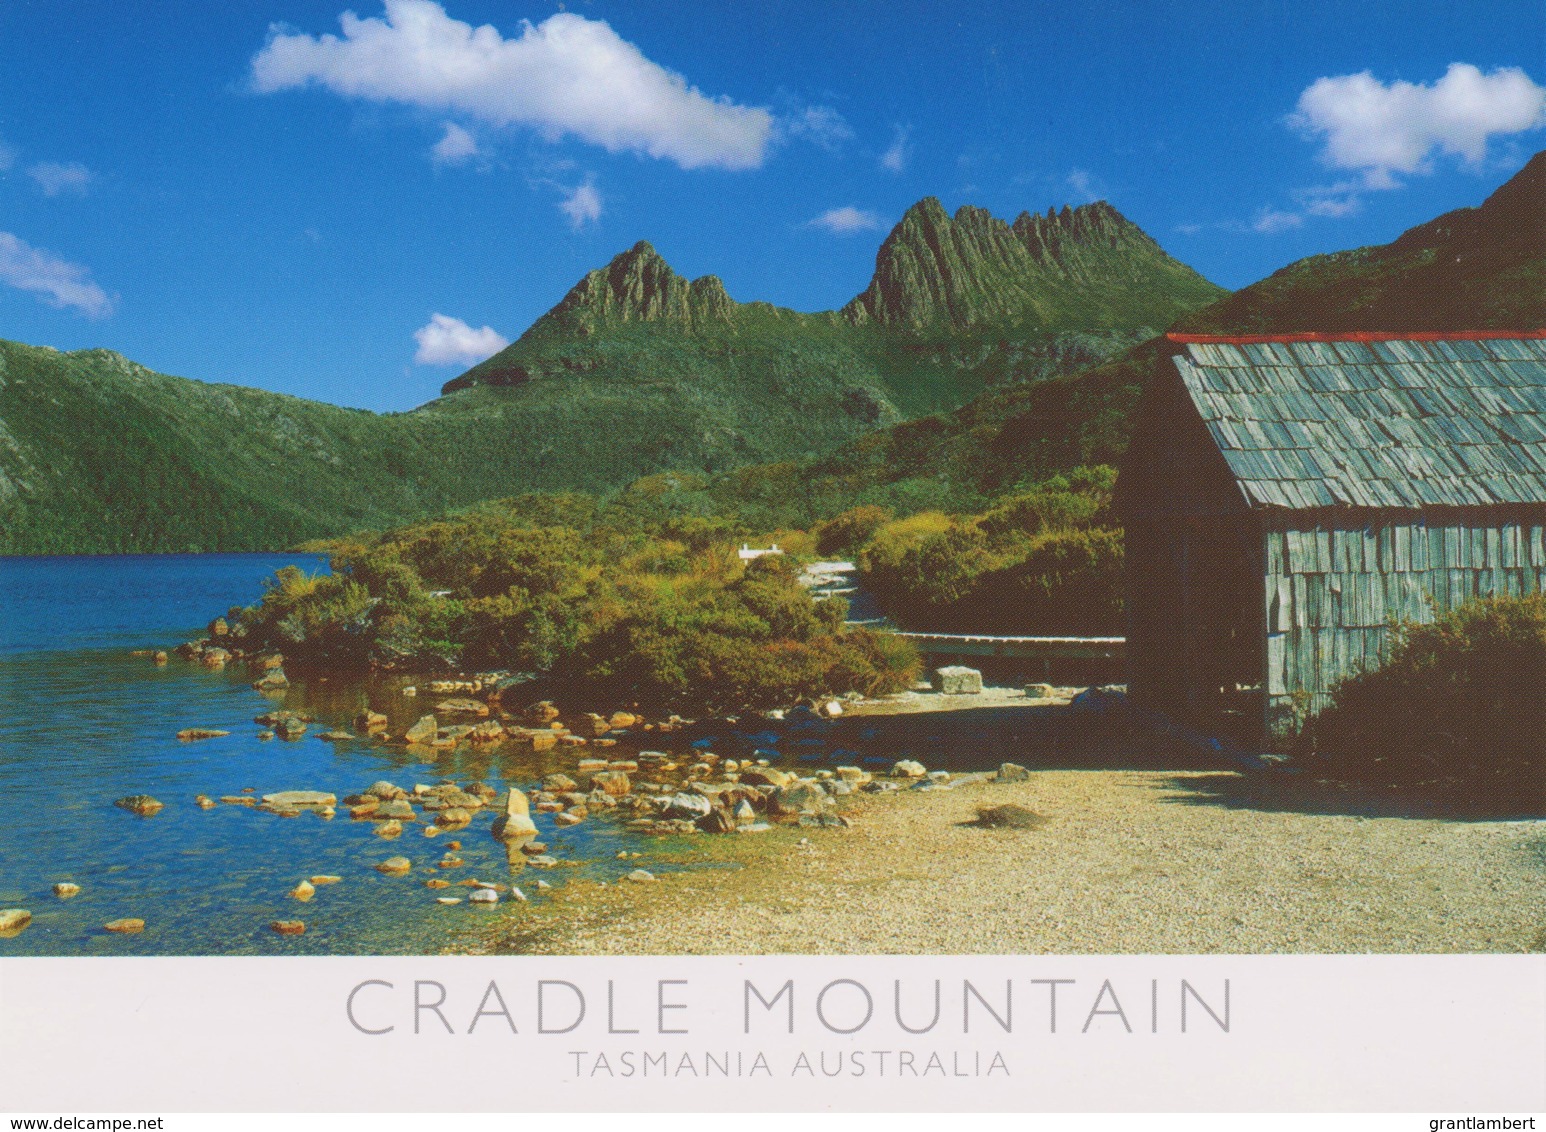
[(1334, 584), (1288, 499)]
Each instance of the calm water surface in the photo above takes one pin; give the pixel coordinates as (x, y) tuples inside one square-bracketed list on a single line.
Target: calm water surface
[(85, 723)]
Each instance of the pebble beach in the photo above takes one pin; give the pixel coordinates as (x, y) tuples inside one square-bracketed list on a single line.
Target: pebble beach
[(1127, 861)]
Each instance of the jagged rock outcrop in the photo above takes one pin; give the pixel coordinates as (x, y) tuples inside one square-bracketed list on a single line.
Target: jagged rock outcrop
[(1078, 268), (638, 286)]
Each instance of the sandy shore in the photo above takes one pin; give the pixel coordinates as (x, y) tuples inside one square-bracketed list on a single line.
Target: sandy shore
[(1130, 861)]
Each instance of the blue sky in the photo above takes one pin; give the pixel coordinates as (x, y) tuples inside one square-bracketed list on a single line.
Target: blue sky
[(261, 194)]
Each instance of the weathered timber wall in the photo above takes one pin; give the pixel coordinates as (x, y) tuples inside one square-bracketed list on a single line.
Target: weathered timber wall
[(1333, 589)]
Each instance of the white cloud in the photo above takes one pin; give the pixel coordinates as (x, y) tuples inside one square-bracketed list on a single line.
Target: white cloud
[(58, 179), (60, 282), (566, 75), (819, 124), (1270, 220), (448, 341), (1383, 129), (846, 221), (1380, 132), (899, 153), (581, 204), (1083, 184), (455, 147)]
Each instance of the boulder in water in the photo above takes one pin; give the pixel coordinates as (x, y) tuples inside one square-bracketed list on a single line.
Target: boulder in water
[(301, 798), (142, 804)]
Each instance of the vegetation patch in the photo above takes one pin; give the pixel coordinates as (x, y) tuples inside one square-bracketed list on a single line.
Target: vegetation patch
[(1458, 706)]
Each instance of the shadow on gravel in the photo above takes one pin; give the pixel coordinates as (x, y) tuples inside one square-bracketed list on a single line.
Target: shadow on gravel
[(1280, 791), (1041, 737)]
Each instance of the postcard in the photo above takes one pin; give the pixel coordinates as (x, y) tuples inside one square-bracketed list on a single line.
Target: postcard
[(797, 556)]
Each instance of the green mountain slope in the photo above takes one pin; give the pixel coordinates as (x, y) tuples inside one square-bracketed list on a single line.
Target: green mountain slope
[(637, 370), (1471, 269), (1080, 268), (98, 454)]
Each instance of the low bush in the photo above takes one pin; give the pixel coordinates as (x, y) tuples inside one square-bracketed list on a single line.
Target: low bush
[(1459, 703), (616, 607)]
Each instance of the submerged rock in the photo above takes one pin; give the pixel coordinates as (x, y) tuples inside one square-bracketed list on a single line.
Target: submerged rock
[(64, 890), (189, 734), (142, 804), (300, 798), (395, 811), (289, 927), (303, 891), (463, 707), (613, 782), (394, 866), (324, 879), (515, 823), (274, 680), (13, 920), (385, 791), (126, 926), (424, 731)]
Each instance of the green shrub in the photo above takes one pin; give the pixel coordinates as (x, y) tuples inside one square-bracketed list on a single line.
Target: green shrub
[(1460, 703), (848, 531)]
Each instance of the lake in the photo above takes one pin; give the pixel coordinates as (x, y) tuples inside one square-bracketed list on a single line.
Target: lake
[(86, 723)]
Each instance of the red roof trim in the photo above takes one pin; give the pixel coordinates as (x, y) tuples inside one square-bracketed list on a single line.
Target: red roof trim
[(1356, 336)]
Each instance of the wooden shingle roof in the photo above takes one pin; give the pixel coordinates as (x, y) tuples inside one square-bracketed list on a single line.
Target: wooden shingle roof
[(1372, 421)]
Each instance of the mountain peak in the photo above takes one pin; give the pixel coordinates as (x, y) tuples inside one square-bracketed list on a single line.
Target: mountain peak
[(939, 271), (638, 285)]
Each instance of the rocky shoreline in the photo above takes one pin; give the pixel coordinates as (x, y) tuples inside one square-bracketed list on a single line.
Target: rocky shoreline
[(867, 826), (1117, 861), (654, 795)]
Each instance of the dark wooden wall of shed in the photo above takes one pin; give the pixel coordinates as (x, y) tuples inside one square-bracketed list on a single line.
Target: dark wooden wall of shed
[(1194, 565)]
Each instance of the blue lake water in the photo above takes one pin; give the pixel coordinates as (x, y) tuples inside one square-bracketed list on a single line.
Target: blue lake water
[(85, 723)]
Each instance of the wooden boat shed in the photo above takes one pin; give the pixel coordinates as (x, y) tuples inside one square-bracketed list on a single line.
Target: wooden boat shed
[(1287, 498)]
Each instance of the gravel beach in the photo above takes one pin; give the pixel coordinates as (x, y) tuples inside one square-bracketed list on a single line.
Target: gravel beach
[(1128, 861)]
